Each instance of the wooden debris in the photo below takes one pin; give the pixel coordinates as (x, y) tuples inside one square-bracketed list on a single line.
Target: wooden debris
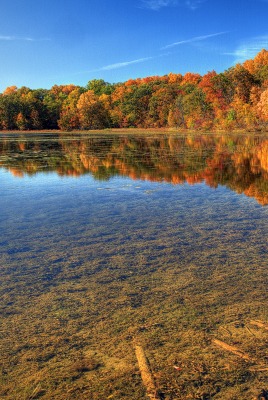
[(146, 373), (258, 369), (232, 349), (226, 330), (249, 330), (259, 324)]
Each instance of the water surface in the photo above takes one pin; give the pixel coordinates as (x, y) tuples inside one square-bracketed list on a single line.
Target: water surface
[(112, 241)]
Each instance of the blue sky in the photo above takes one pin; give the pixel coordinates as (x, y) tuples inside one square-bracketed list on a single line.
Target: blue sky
[(47, 42)]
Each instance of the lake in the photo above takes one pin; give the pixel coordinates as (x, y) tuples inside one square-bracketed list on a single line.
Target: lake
[(116, 247)]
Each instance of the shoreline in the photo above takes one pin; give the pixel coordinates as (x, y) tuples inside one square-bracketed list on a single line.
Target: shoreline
[(138, 131)]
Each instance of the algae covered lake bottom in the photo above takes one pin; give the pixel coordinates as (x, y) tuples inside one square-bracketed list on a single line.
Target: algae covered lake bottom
[(109, 244)]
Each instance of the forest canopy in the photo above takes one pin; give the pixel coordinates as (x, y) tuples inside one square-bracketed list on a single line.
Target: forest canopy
[(236, 98)]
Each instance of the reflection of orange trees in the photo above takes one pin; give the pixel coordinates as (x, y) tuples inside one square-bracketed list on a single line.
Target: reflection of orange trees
[(90, 164), (262, 154), (21, 146), (238, 162), (258, 192), (16, 172), (194, 179)]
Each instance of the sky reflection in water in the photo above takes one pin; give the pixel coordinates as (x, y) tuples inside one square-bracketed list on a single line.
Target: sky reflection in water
[(106, 239)]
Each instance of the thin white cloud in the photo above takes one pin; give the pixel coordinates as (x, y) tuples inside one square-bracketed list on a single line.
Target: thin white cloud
[(20, 38), (192, 40), (121, 64), (157, 4), (13, 38), (194, 4), (124, 64), (248, 49)]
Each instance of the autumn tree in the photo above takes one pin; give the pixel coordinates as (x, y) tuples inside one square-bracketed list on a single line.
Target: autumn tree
[(197, 111), (262, 106), (99, 87), (234, 98), (135, 105), (92, 113), (160, 104), (9, 108), (53, 102), (242, 81), (258, 66), (21, 122), (69, 115)]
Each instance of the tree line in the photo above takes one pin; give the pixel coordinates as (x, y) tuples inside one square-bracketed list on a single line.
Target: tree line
[(236, 98)]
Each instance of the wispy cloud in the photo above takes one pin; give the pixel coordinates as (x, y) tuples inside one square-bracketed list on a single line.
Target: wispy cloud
[(124, 64), (193, 39), (13, 38), (194, 4), (249, 48), (118, 65), (21, 38), (157, 4)]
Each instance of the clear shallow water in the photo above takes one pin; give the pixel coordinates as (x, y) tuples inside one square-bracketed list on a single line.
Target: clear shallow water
[(112, 241)]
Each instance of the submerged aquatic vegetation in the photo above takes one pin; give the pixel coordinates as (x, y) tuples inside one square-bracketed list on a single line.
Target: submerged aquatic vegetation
[(87, 274)]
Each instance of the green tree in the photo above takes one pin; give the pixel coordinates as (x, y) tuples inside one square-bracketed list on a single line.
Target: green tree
[(99, 87)]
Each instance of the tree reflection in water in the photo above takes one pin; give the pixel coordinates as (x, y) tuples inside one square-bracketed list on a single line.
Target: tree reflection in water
[(239, 162)]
